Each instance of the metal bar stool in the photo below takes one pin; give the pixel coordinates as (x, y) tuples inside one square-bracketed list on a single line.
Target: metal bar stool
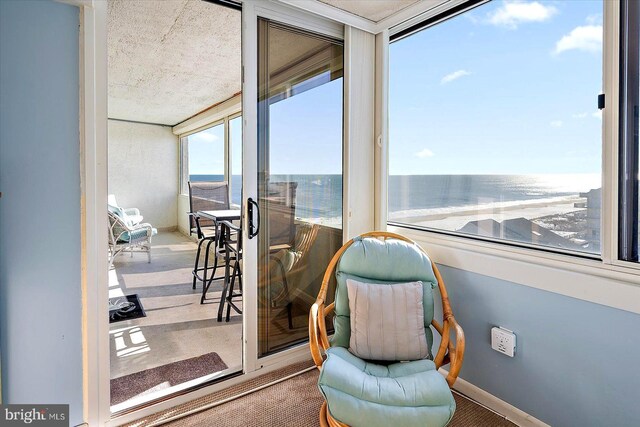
[(202, 272), (232, 253)]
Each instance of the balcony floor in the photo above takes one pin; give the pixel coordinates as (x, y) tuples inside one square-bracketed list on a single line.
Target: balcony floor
[(176, 327)]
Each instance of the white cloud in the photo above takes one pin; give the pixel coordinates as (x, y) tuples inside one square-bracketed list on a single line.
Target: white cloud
[(556, 123), (597, 114), (579, 115), (512, 13), (586, 38), (423, 154), (207, 137), (454, 76)]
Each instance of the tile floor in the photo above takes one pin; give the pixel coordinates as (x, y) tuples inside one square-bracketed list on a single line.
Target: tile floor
[(177, 326)]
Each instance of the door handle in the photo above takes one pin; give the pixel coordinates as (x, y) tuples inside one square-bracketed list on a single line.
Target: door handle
[(253, 228)]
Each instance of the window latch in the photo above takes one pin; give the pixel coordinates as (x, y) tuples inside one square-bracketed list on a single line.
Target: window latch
[(601, 101)]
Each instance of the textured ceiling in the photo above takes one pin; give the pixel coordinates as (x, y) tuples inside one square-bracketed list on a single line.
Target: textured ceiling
[(170, 59), (373, 10)]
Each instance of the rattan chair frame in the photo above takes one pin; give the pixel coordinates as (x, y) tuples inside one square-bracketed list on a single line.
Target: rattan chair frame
[(449, 352)]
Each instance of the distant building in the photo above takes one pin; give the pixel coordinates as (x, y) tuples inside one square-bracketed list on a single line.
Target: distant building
[(518, 229), (594, 207)]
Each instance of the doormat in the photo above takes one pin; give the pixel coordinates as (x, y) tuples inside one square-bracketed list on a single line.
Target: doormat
[(125, 308), (164, 376)]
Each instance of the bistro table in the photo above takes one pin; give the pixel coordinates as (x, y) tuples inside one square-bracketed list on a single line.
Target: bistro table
[(217, 216)]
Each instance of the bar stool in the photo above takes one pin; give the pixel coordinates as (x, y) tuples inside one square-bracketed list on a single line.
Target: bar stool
[(232, 252), (202, 272)]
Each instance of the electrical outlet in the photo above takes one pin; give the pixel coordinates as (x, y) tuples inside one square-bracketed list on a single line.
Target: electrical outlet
[(503, 341)]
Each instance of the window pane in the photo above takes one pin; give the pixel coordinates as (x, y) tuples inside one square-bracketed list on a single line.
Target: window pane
[(235, 143), (206, 154), (629, 149), (494, 126), (299, 177)]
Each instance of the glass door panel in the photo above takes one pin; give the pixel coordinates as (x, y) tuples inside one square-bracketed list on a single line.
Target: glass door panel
[(300, 138)]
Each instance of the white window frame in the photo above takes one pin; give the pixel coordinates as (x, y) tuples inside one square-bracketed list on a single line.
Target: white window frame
[(607, 281), (229, 148), (184, 190)]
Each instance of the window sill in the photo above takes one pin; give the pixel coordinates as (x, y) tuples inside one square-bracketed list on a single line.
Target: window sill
[(590, 280)]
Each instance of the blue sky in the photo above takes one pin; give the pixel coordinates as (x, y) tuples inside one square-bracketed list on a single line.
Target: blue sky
[(508, 88), (305, 135), (206, 151), (306, 132)]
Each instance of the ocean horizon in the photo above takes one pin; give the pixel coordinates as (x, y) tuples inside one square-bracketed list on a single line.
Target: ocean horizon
[(320, 196)]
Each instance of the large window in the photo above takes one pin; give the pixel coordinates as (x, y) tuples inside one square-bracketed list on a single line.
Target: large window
[(214, 154), (494, 125), (203, 156)]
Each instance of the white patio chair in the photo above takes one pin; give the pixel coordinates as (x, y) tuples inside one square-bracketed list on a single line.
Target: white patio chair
[(132, 214), (123, 237)]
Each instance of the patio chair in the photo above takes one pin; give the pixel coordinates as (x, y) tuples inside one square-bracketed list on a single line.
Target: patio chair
[(123, 236), (359, 391), (206, 196), (289, 264), (132, 214)]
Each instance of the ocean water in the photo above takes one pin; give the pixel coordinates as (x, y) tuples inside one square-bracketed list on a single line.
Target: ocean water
[(320, 196), (438, 192), (317, 196)]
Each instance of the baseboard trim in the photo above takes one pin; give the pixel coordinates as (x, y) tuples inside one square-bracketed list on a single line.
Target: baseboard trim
[(495, 404)]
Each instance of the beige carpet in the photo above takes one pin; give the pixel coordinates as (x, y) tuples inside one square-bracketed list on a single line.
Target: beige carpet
[(296, 402)]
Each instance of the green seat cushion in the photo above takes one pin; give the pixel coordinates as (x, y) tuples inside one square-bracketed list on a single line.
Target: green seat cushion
[(381, 262), (365, 394), (135, 235)]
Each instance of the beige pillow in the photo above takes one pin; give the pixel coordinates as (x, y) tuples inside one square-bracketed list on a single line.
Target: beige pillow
[(387, 321)]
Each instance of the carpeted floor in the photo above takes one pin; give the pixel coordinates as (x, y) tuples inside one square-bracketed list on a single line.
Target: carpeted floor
[(164, 376), (296, 402)]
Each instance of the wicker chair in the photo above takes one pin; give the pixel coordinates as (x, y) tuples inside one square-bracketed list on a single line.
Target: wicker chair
[(133, 214), (123, 236), (361, 392)]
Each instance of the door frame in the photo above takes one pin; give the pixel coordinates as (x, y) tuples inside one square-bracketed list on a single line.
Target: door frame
[(252, 10), (94, 179)]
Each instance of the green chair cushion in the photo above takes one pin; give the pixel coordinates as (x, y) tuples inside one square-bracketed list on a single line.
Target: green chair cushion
[(135, 235), (384, 262), (365, 394)]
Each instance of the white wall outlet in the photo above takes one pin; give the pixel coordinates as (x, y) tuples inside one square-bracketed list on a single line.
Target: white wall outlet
[(503, 340)]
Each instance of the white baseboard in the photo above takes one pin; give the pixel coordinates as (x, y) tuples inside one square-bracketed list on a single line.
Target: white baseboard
[(499, 406)]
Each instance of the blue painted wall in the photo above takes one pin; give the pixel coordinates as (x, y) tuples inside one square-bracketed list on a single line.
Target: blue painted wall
[(40, 295), (577, 363)]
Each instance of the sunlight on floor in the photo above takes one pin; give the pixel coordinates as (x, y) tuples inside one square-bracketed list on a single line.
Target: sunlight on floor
[(114, 285), (129, 341)]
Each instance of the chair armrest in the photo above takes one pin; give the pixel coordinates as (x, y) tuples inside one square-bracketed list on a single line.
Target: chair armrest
[(456, 352), (450, 352), (196, 219), (145, 225), (318, 339), (131, 211)]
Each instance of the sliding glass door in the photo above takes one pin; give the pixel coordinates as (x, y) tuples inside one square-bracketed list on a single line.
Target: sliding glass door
[(299, 188)]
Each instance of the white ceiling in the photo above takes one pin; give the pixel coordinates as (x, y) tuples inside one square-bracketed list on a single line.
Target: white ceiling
[(373, 10), (170, 59)]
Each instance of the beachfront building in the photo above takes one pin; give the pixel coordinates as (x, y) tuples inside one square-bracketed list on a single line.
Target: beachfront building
[(195, 165)]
